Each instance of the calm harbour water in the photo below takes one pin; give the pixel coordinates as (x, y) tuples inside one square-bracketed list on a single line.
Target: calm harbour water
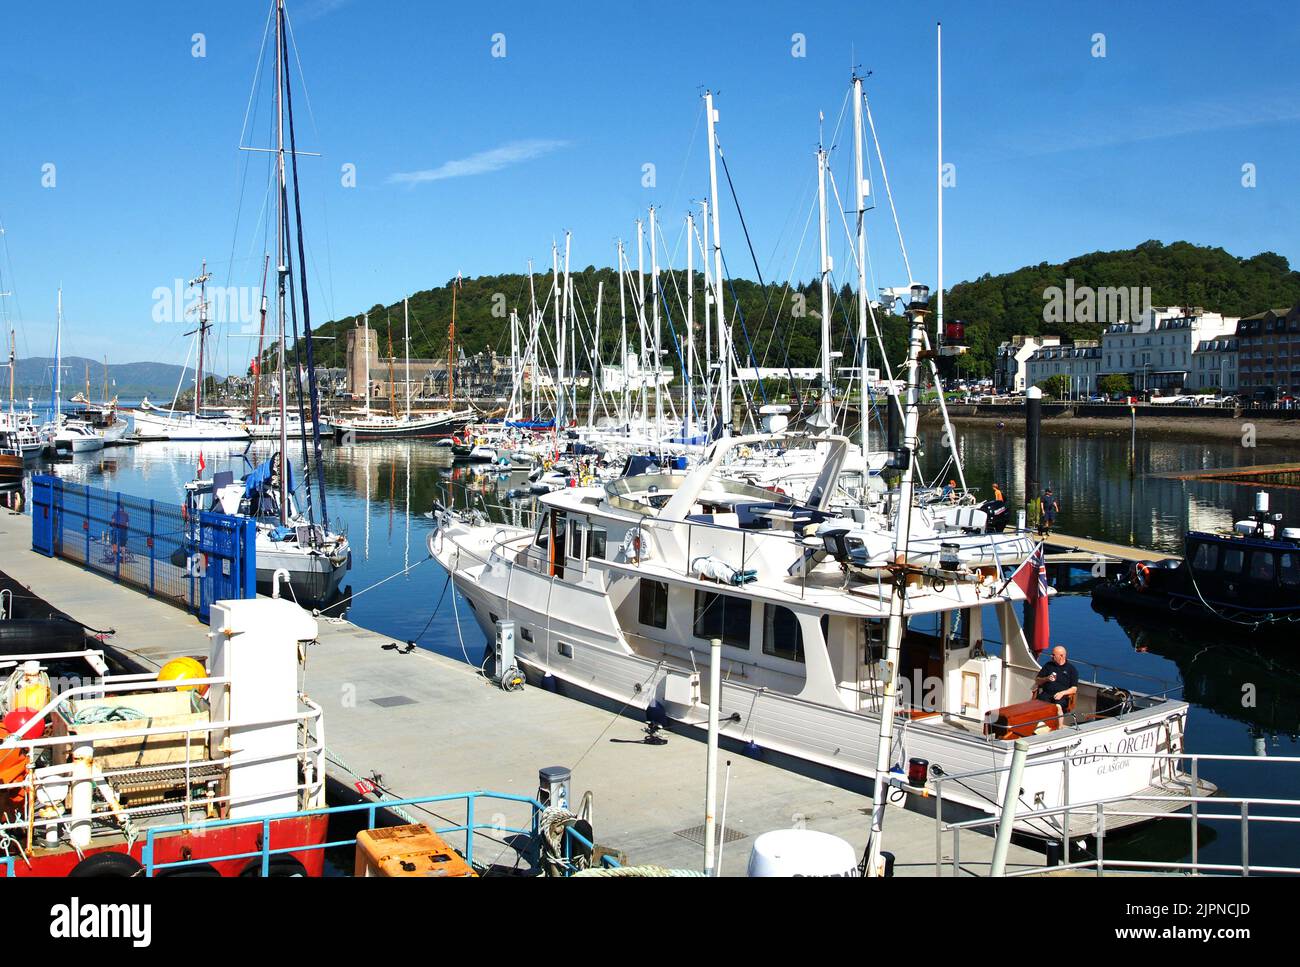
[(381, 492)]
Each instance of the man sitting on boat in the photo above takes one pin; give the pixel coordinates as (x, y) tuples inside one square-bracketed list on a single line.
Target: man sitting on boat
[(1057, 681)]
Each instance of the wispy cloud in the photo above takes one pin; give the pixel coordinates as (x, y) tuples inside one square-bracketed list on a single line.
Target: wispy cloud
[(513, 153), (1147, 124), (315, 9)]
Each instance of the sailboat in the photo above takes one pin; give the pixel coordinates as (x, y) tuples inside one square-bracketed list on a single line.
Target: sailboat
[(370, 425), (155, 423), (315, 557)]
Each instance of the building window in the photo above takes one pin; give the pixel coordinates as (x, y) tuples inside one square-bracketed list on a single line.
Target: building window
[(653, 611), (782, 634), (722, 616)]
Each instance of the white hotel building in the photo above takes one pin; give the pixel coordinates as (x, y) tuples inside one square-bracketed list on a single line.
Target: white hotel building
[(1158, 351), (1078, 362)]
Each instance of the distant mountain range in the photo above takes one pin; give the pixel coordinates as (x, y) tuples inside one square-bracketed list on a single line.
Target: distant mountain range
[(35, 376)]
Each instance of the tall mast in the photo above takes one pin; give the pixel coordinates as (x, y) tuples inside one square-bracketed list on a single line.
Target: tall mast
[(860, 196), (625, 413), (532, 341), (12, 352), (567, 339), (916, 311), (282, 262), (658, 335), (261, 333), (708, 323), (406, 338), (690, 325), (938, 185), (724, 341), (517, 386), (828, 404), (451, 350), (640, 314), (202, 283), (596, 366), (559, 337)]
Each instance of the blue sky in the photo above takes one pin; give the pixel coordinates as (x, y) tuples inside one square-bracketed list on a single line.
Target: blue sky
[(473, 163)]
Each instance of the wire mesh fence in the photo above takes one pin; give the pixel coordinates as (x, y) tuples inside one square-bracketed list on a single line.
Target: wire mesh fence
[(150, 545)]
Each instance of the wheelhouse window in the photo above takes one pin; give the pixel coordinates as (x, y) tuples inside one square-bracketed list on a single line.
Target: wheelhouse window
[(1261, 566), (1206, 558), (782, 635), (596, 539), (1234, 559), (1289, 570), (576, 542), (722, 616), (653, 610)]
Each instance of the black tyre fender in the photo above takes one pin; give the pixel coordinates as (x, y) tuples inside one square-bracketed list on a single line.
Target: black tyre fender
[(23, 635), (108, 865), (198, 869), (282, 865)]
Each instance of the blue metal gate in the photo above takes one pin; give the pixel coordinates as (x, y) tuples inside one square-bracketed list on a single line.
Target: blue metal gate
[(149, 545)]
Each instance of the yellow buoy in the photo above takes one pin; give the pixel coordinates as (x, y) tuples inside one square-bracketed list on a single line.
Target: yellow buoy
[(179, 669)]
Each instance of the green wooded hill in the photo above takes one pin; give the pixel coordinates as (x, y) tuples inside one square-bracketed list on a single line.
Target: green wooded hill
[(782, 322), (996, 307)]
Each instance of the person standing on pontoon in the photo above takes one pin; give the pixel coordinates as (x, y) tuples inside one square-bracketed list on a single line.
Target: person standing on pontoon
[(1051, 507)]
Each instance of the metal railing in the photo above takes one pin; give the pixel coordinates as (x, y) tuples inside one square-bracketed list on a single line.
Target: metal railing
[(1241, 811), (471, 828), (154, 547)]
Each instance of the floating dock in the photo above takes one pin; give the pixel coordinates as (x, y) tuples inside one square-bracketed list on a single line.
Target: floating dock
[(427, 724), (1065, 548)]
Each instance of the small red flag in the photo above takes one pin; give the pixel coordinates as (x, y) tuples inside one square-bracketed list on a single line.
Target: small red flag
[(202, 465)]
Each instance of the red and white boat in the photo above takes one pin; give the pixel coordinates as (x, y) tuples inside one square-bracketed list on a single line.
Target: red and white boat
[(97, 769)]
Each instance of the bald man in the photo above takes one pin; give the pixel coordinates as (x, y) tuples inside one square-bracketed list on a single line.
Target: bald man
[(1057, 680)]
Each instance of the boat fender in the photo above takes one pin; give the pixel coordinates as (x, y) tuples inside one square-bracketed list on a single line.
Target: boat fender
[(281, 865), (108, 864)]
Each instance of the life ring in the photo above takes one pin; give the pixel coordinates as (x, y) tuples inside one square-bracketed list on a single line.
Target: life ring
[(634, 545), (1141, 576)]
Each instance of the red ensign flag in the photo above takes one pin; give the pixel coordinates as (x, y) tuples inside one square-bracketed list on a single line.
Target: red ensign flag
[(1031, 578)]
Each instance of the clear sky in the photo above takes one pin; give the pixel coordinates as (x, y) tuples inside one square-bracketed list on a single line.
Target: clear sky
[(470, 162)]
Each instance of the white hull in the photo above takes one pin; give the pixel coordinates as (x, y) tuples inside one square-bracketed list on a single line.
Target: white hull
[(577, 626), (151, 425)]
